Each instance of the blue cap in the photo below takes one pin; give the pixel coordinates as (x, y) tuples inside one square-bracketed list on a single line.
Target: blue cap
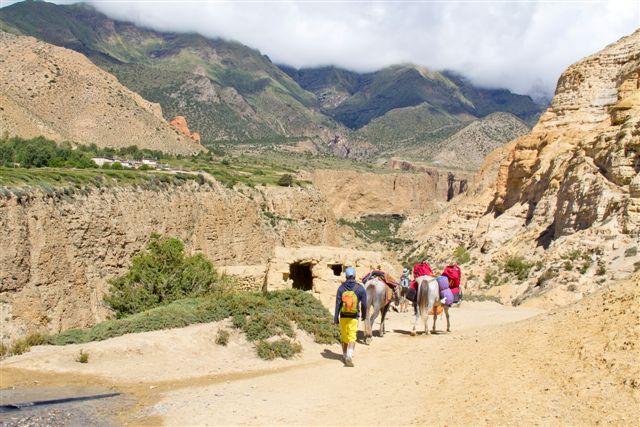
[(350, 272)]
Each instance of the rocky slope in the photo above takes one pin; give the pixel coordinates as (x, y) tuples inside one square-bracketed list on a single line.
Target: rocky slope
[(58, 93), (60, 252), (566, 196), (467, 148), (233, 94), (227, 91), (354, 194)]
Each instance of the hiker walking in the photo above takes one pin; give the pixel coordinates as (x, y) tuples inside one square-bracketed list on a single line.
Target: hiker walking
[(351, 301)]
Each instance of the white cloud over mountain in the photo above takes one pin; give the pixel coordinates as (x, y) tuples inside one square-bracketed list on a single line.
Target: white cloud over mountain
[(521, 45)]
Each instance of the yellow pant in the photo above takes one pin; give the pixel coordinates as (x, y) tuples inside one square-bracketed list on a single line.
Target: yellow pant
[(348, 329)]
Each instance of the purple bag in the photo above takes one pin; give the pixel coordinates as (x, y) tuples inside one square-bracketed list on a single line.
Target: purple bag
[(443, 282), (445, 292)]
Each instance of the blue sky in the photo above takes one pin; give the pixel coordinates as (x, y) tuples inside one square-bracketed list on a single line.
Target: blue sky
[(521, 45)]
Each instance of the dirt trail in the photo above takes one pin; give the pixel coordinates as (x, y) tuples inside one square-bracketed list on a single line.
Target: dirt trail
[(567, 367)]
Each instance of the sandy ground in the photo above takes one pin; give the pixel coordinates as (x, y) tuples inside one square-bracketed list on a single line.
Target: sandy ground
[(573, 366)]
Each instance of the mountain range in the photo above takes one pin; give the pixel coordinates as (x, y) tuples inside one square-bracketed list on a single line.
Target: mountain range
[(232, 94)]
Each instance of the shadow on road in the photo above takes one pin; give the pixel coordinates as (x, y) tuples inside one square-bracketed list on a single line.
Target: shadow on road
[(328, 354)]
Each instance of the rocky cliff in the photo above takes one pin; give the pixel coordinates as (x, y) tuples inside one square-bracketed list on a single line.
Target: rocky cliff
[(180, 123), (563, 209), (60, 252), (58, 93), (354, 194), (579, 166)]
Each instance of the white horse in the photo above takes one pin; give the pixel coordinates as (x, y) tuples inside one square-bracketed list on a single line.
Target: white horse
[(376, 303), (427, 299)]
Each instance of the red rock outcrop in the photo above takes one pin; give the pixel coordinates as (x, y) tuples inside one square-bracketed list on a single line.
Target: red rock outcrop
[(180, 123)]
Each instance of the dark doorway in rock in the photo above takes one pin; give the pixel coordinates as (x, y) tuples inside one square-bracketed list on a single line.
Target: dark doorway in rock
[(301, 276), (336, 268)]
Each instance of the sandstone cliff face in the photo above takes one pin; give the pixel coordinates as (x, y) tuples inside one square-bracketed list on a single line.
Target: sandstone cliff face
[(58, 93), (575, 168), (354, 194), (565, 197), (60, 253)]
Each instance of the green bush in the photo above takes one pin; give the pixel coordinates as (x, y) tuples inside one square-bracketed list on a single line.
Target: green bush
[(491, 279), (160, 275), (117, 166), (283, 348), (261, 315), (461, 255), (83, 357), (517, 266), (285, 180), (631, 252), (222, 337)]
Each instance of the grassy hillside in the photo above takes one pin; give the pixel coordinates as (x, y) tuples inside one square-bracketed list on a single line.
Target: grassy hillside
[(226, 90), (233, 94), (422, 125), (358, 99)]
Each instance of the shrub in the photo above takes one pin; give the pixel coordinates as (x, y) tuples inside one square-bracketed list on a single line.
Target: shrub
[(631, 252), (83, 357), (481, 297), (491, 278), (160, 275), (222, 337), (117, 166), (271, 311), (267, 323), (36, 338), (461, 255), (285, 180), (636, 266), (4, 349), (280, 348), (601, 270), (517, 266), (19, 347)]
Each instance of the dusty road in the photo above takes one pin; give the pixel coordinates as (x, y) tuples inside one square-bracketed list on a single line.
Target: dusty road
[(487, 371)]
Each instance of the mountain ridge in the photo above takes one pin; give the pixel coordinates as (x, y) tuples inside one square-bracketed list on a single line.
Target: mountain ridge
[(231, 93)]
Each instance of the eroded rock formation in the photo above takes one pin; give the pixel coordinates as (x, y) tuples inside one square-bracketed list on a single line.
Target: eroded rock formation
[(60, 252), (58, 93), (564, 197), (180, 123)]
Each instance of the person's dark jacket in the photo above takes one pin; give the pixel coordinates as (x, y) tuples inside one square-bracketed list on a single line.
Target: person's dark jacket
[(351, 285)]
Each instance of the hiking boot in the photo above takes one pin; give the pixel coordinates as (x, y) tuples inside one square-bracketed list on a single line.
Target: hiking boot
[(348, 362)]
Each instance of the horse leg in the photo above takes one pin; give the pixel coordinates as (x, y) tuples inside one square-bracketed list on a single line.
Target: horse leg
[(435, 317), (367, 324), (384, 313), (446, 313), (370, 322), (415, 321)]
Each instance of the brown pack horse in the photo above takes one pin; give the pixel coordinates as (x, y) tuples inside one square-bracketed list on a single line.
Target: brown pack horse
[(377, 303)]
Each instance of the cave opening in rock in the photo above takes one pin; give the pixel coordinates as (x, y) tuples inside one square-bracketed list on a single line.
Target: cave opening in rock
[(301, 275), (336, 268)]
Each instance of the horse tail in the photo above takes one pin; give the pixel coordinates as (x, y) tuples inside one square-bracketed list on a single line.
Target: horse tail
[(423, 297)]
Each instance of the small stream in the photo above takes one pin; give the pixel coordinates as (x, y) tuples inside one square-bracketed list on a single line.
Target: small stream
[(96, 412)]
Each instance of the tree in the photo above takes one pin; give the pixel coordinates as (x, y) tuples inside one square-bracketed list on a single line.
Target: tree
[(159, 275), (285, 180)]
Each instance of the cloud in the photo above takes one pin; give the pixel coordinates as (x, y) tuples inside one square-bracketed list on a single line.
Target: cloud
[(520, 45)]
